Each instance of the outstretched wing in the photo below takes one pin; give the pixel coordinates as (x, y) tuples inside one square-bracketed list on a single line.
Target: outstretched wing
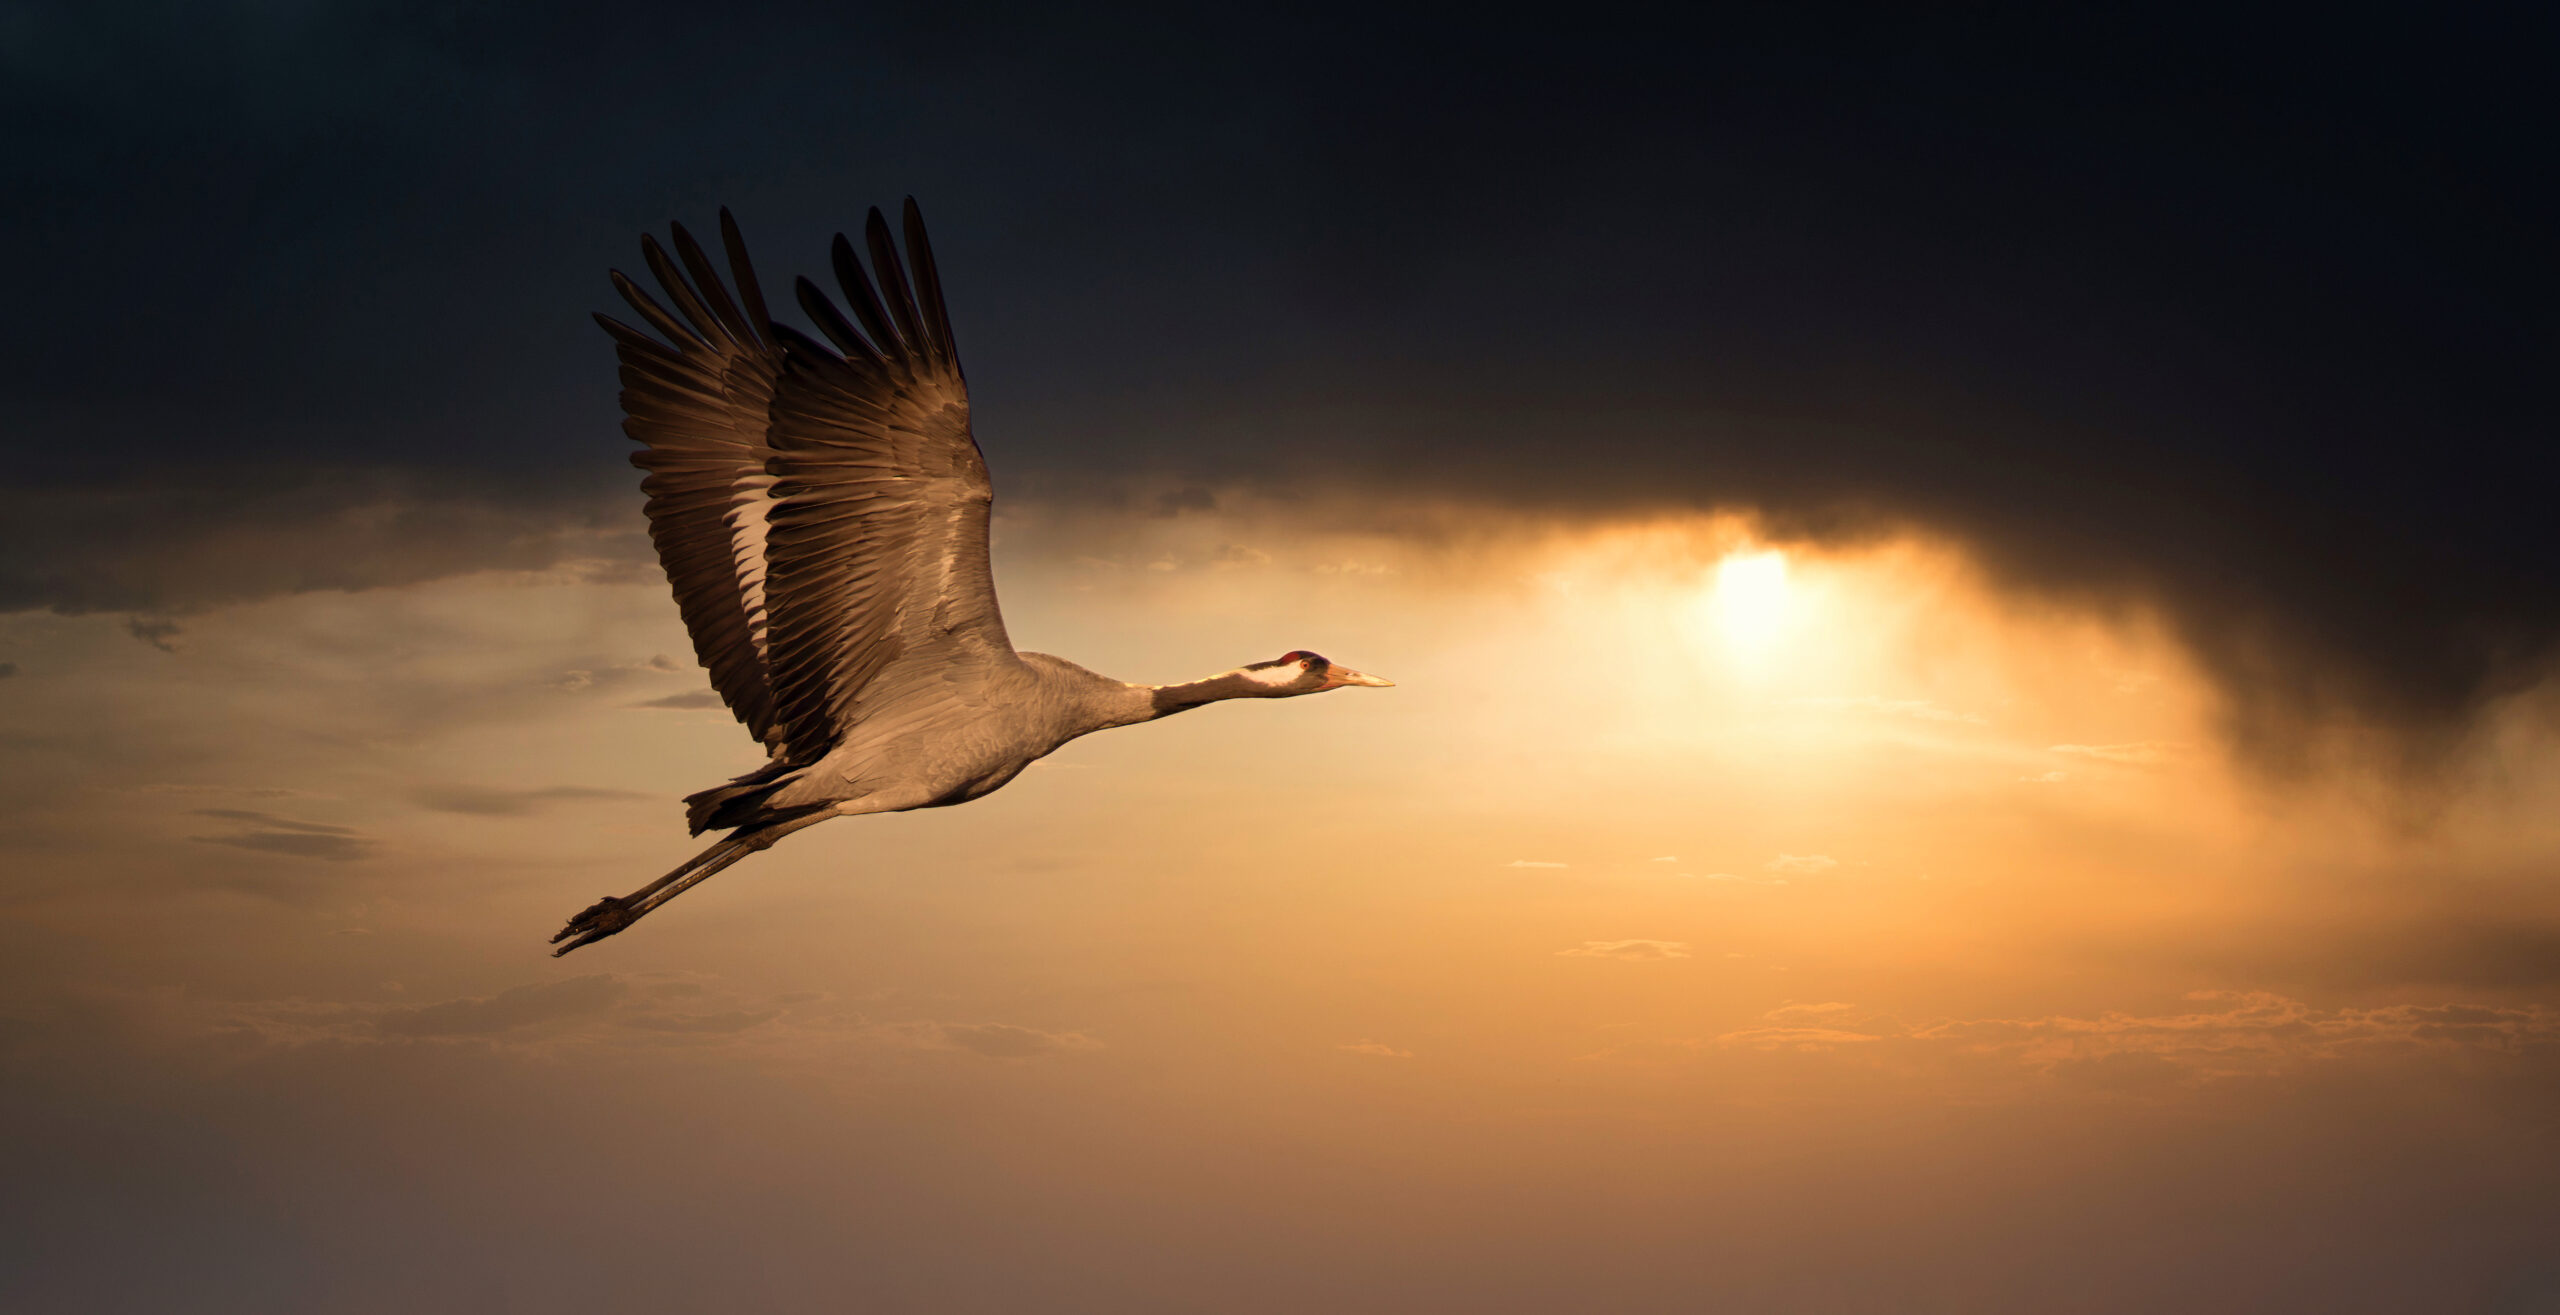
[(881, 598), (698, 402)]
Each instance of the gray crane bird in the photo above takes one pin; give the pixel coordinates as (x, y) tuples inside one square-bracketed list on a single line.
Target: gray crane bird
[(822, 517)]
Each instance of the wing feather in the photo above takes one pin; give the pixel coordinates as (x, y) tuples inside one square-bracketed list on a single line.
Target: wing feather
[(832, 323), (879, 585), (893, 283), (697, 402), (937, 318), (707, 281), (822, 515), (858, 294)]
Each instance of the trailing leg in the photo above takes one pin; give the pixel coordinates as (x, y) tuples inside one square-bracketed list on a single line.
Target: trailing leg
[(611, 914)]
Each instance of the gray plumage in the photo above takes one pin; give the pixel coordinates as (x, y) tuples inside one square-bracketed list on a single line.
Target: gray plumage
[(822, 516)]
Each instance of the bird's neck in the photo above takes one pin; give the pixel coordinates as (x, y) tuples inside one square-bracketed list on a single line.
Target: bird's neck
[(1100, 703), (1166, 700), (1129, 705)]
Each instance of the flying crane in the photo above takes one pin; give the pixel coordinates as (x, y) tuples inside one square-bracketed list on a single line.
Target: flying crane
[(822, 512)]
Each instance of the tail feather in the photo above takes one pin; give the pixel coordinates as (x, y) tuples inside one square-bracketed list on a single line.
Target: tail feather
[(739, 802)]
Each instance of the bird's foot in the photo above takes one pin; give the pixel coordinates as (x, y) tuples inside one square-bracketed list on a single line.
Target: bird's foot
[(600, 919)]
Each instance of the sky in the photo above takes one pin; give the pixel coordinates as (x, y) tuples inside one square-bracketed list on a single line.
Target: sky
[(1973, 617)]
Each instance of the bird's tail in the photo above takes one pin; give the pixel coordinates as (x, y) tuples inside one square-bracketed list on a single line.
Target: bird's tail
[(610, 915), (740, 802)]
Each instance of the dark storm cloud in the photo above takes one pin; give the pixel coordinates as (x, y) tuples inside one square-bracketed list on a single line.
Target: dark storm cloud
[(157, 544), (2249, 319)]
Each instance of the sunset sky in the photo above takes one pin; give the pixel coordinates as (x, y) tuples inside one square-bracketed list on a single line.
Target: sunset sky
[(1972, 616)]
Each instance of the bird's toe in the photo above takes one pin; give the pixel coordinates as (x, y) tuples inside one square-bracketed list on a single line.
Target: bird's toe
[(597, 921)]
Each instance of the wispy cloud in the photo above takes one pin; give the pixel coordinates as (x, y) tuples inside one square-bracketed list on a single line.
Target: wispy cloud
[(482, 801), (692, 698), (2244, 1032), (1801, 865), (1915, 709), (615, 1010), (735, 1020), (266, 833), (271, 820), (1792, 1011), (992, 1040), (1378, 1048), (2136, 753), (1534, 863), (293, 844), (1795, 1038), (524, 1006), (2230, 1034), (1633, 951)]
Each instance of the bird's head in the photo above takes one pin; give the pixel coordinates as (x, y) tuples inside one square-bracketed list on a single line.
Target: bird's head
[(1302, 672)]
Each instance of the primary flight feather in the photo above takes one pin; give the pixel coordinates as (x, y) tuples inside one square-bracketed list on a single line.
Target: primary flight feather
[(822, 516)]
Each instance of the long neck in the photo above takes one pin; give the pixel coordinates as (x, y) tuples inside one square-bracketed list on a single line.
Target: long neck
[(1101, 702), (1166, 700)]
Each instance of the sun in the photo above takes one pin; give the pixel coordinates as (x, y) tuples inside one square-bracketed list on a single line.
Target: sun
[(1750, 602)]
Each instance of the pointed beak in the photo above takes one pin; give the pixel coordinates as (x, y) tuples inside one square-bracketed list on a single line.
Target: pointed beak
[(1337, 677)]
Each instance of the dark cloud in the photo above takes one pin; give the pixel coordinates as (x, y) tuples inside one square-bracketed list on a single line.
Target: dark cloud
[(166, 543), (480, 801), (2240, 318), (1190, 497), (156, 631), (8, 669)]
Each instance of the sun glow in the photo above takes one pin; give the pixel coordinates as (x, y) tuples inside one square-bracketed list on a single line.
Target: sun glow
[(1750, 602)]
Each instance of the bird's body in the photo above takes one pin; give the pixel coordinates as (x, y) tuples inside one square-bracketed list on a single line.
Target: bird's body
[(984, 736), (823, 518)]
